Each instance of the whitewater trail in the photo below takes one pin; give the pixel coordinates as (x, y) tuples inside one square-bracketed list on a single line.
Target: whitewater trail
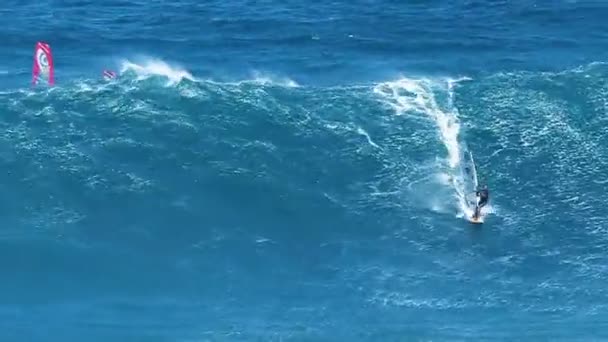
[(434, 99)]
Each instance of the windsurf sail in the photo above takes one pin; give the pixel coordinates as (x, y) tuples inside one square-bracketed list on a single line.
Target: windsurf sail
[(109, 74), (43, 64), (470, 180)]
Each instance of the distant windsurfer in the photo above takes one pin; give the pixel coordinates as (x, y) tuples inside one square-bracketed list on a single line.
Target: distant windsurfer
[(109, 74), (43, 67), (483, 196)]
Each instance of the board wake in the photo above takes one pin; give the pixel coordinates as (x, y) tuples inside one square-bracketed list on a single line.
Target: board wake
[(478, 220)]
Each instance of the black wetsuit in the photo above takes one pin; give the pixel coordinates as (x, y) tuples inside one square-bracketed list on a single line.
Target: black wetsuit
[(483, 197), (483, 200)]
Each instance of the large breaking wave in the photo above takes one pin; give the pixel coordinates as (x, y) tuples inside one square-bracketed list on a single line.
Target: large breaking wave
[(357, 180)]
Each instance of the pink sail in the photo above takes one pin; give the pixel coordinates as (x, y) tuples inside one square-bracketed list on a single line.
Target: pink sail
[(43, 64), (109, 74)]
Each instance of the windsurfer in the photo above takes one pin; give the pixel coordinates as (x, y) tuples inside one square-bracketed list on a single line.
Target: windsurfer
[(483, 196), (109, 74)]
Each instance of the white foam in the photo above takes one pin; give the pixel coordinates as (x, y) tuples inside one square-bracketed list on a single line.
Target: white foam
[(258, 78), (155, 67), (418, 97), (269, 79), (366, 135)]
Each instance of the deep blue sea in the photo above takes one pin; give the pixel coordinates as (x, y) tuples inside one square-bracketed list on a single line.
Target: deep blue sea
[(292, 171)]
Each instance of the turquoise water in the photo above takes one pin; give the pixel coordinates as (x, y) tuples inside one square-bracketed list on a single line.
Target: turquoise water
[(289, 171)]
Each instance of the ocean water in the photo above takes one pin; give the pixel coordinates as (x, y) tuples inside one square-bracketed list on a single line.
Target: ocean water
[(290, 171)]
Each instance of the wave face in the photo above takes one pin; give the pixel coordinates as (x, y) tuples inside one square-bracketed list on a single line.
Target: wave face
[(304, 183)]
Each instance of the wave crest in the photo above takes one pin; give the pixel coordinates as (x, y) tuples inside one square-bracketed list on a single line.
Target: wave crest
[(156, 67)]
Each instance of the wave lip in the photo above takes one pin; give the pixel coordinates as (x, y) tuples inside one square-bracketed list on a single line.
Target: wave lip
[(155, 67), (267, 79), (175, 74)]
